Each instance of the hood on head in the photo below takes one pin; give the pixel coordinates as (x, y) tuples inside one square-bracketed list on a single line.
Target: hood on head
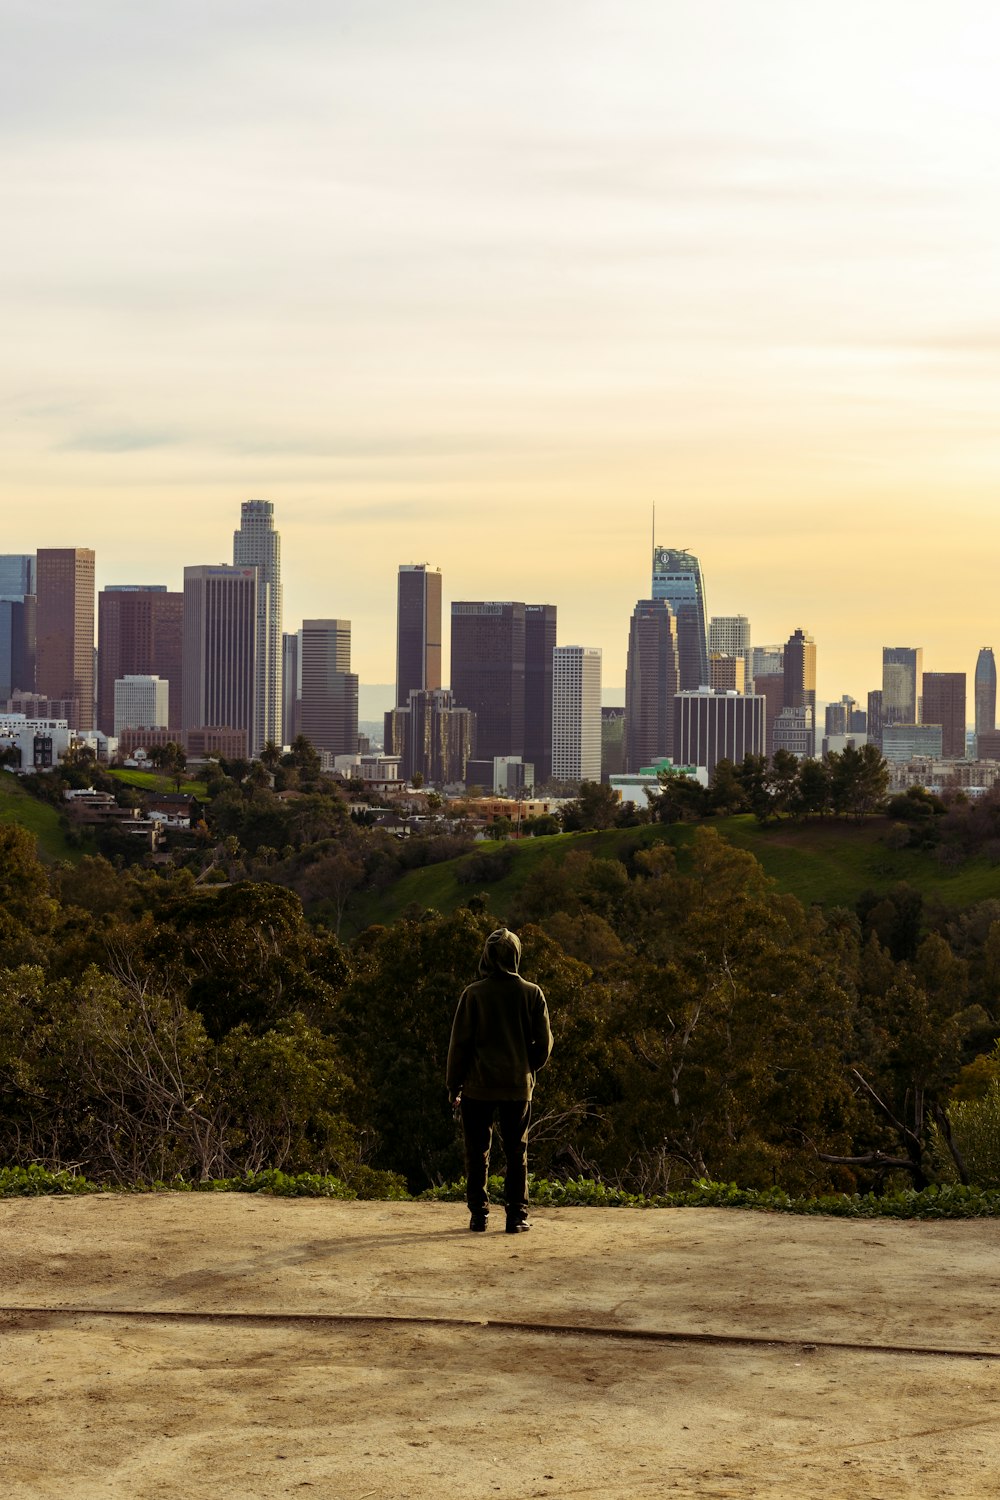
[(502, 953)]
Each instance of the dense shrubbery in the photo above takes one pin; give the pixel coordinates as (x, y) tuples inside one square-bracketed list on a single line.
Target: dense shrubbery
[(706, 1028)]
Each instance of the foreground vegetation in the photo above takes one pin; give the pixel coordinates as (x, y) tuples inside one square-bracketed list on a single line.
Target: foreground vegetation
[(948, 1202), (799, 995), (708, 1027)]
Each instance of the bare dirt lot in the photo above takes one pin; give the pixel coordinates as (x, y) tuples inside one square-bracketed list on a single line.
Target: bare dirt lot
[(376, 1359)]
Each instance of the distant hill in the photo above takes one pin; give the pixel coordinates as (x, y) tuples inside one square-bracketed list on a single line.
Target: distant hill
[(828, 863), (16, 806)]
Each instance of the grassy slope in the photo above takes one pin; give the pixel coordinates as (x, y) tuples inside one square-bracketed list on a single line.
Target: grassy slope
[(151, 781), (829, 863), (16, 806)]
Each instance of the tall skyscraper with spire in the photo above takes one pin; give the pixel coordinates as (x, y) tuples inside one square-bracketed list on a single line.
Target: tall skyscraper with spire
[(258, 545), (677, 578), (986, 693)]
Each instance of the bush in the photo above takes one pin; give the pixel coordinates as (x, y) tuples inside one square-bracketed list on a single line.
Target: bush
[(490, 865), (975, 1129)]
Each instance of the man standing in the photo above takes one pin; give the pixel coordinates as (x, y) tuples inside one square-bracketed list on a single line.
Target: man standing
[(499, 1039)]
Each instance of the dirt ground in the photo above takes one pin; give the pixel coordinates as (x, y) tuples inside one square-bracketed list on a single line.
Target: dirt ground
[(369, 1363)]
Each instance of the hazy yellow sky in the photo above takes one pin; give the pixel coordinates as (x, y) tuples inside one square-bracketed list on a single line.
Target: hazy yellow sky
[(479, 283)]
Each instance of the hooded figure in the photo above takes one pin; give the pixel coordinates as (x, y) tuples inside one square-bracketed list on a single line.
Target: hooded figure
[(499, 1040)]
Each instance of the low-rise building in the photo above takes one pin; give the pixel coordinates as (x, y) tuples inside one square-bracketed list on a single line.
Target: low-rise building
[(902, 743), (37, 744), (638, 786)]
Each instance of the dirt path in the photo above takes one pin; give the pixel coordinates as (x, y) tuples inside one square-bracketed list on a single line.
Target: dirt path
[(135, 1399)]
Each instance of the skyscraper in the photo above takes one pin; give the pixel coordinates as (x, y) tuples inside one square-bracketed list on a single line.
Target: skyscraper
[(290, 685), (652, 676), (800, 674), (944, 704), (140, 632), (418, 630), (709, 727), (17, 574), (770, 686), (328, 705), (729, 635), (726, 674), (902, 684), (18, 623), (219, 671), (539, 644), (875, 717), (576, 713), (64, 660), (677, 578), (986, 692), (141, 702), (487, 672), (767, 661), (258, 545), (432, 735)]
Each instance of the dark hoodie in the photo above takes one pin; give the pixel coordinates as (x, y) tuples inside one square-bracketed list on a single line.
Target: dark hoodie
[(501, 1034)]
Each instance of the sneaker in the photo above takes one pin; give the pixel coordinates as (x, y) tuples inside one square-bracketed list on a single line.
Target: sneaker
[(517, 1226), (478, 1223)]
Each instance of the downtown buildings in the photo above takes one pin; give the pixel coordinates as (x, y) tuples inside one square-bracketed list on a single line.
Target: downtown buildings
[(576, 713), (986, 693), (64, 647), (327, 707), (677, 578), (503, 672), (140, 631), (258, 545)]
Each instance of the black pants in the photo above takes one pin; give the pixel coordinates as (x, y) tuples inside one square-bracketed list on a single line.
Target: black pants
[(513, 1117)]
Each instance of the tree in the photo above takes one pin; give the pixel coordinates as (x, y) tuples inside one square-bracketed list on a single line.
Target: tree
[(248, 955), (27, 911), (812, 790), (304, 757), (680, 799), (330, 881), (596, 806), (859, 780), (270, 756), (734, 1029), (752, 774), (727, 793), (783, 781)]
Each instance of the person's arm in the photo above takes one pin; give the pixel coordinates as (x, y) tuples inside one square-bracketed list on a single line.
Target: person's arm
[(540, 1041), (462, 1046)]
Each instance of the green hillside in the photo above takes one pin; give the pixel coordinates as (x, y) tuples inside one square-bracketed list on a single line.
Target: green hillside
[(16, 806), (152, 781), (827, 863)]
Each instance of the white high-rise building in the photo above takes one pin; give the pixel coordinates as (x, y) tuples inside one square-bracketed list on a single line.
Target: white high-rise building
[(576, 713), (258, 545), (729, 635), (141, 702)]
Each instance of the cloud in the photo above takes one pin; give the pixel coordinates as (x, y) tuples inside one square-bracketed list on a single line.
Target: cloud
[(119, 440)]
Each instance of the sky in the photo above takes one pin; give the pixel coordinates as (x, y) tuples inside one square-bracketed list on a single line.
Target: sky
[(479, 284)]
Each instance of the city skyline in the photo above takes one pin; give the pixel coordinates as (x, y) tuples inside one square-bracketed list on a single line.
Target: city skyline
[(386, 630), (484, 285)]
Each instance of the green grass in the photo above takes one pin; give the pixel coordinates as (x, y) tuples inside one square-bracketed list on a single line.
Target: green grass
[(152, 781), (17, 806), (827, 863)]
